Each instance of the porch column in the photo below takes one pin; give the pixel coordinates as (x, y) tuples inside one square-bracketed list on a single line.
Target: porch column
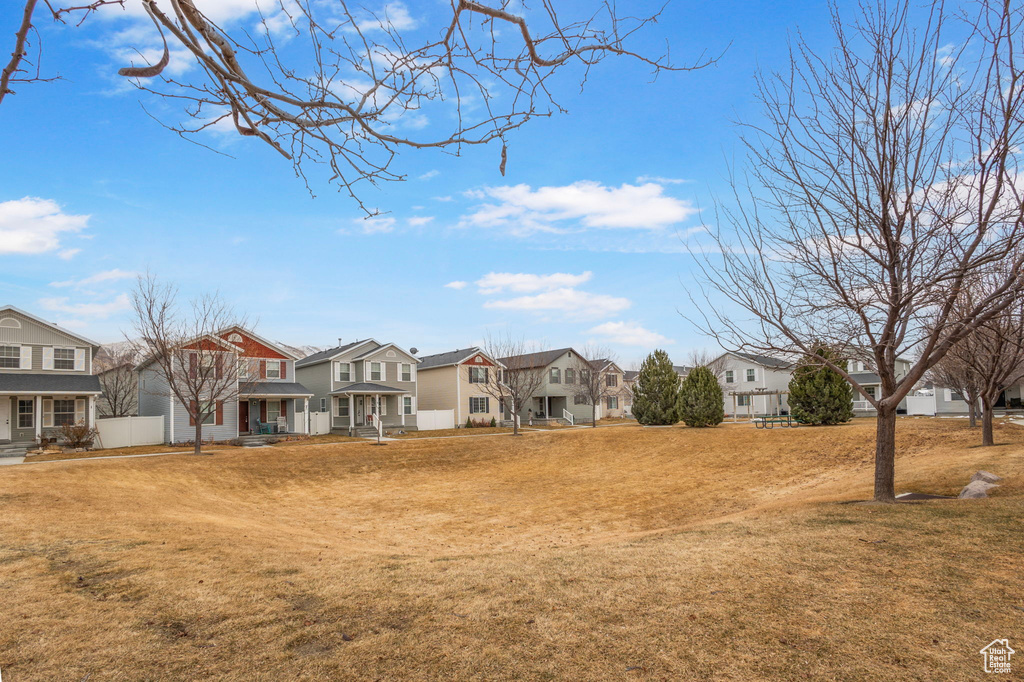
[(547, 410), (351, 411), (305, 418), (92, 411), (401, 408), (38, 416), (375, 404)]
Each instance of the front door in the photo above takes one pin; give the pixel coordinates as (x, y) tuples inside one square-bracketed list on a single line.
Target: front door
[(243, 416), (5, 418), (360, 411)]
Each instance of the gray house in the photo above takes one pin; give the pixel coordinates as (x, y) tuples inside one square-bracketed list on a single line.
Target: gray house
[(361, 383), (46, 379), (557, 393)]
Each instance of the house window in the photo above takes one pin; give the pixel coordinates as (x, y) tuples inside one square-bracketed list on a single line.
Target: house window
[(26, 414), (743, 400), (375, 371), (751, 375), (406, 371), (273, 410), (63, 412), (613, 402), (730, 376), (273, 369), (570, 376), (478, 406), (250, 368), (478, 375), (343, 406), (612, 380), (63, 358), (407, 405), (952, 396), (556, 376), (579, 400), (323, 404), (10, 357), (870, 390), (343, 371)]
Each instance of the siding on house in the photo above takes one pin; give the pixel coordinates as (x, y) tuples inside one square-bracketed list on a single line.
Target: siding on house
[(765, 377), (38, 336)]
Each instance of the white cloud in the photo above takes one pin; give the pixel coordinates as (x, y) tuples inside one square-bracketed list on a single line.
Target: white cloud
[(420, 220), (521, 210), (394, 16), (376, 225), (444, 199), (457, 284), (31, 225), (662, 180), (629, 334), (68, 254), (101, 310), (100, 277), (521, 282), (430, 174), (570, 303)]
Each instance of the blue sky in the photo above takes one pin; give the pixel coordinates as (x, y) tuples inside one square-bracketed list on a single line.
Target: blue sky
[(580, 242)]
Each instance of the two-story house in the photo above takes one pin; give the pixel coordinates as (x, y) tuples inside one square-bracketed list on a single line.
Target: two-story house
[(558, 392), (266, 396), (754, 384), (46, 379), (455, 380), (361, 384), (615, 389), (865, 375)]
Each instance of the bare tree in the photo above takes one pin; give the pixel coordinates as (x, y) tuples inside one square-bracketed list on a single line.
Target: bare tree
[(337, 83), (520, 377), (716, 363), (115, 365), (954, 372), (195, 366), (882, 178), (592, 379)]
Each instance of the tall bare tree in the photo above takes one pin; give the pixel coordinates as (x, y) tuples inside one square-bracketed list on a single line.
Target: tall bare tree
[(518, 380), (882, 177), (338, 84), (955, 371), (195, 366), (115, 368), (592, 378)]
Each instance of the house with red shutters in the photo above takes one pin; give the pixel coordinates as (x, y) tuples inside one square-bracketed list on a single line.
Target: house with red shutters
[(263, 396), (455, 380)]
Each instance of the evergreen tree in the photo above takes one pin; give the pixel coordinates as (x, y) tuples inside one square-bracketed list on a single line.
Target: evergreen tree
[(700, 401), (817, 394), (656, 391)]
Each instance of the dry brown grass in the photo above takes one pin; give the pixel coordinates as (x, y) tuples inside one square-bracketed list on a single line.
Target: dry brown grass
[(318, 440), (618, 553), (120, 452), (447, 433)]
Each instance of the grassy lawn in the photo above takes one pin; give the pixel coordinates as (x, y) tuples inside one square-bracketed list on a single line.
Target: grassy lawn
[(441, 433), (133, 450), (619, 553)]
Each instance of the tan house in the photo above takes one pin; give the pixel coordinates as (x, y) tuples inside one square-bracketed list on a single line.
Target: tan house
[(617, 393), (454, 381)]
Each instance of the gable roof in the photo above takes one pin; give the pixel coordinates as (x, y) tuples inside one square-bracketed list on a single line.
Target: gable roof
[(43, 322), (270, 344), (382, 347), (330, 353), (452, 357), (763, 360), (540, 359), (224, 343)]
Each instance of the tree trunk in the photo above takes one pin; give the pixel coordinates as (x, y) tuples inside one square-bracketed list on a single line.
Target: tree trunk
[(593, 413), (885, 455), (199, 436), (515, 420), (986, 421), (972, 415)]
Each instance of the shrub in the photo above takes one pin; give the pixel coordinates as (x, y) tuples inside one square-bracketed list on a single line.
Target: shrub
[(494, 422), (700, 399), (818, 394), (469, 422), (78, 435), (656, 391)]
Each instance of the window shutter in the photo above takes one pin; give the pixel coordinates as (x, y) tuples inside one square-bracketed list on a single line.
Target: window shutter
[(383, 371), (26, 358), (48, 357), (337, 370), (79, 359), (263, 369), (412, 369), (79, 410), (220, 413), (947, 394), (218, 366), (414, 404), (284, 369), (487, 403), (366, 370), (192, 412), (48, 412), (193, 368), (263, 410), (284, 406)]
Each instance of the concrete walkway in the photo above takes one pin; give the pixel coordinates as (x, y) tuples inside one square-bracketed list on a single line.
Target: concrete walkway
[(4, 461)]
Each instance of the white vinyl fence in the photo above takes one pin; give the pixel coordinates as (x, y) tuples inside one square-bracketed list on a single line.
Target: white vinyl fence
[(319, 423), (432, 420), (124, 432), (921, 405)]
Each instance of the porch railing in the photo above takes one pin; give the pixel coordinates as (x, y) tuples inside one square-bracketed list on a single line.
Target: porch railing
[(862, 406), (567, 415)]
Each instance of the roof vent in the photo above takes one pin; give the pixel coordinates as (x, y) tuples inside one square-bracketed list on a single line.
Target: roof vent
[(339, 341)]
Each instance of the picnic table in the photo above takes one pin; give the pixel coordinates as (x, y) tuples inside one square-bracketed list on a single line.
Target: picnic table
[(785, 421)]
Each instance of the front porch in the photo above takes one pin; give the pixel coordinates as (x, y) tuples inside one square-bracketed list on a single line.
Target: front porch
[(272, 414), (363, 406), (27, 418)]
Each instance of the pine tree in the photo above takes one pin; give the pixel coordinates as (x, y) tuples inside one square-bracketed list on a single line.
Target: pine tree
[(656, 391), (700, 401), (817, 394)]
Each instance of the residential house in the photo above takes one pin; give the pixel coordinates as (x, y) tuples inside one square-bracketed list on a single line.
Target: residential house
[(615, 380), (362, 382), (629, 381), (268, 396), (865, 375), (46, 379), (754, 384), (455, 380), (557, 394)]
